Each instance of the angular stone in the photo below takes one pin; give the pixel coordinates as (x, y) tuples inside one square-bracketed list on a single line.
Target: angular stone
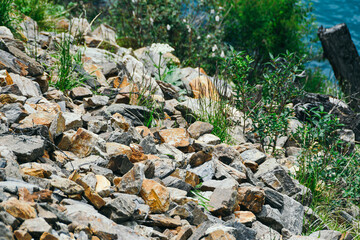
[(211, 185), (36, 227), (67, 186), (253, 155), (5, 78), (9, 164), (114, 149), (121, 208), (227, 154), (263, 232), (276, 177), (161, 220), (97, 127), (27, 87), (198, 129), (96, 101), (118, 121), (26, 148), (219, 234), (155, 195), (33, 67), (14, 112), (210, 139), (132, 182), (48, 236), (100, 226), (223, 201), (12, 64), (199, 158), (206, 171), (85, 143), (80, 93), (134, 114), (137, 154), (102, 184), (271, 217), (72, 121), (148, 145), (253, 198), (326, 234), (120, 164), (22, 235), (124, 138), (177, 137), (224, 171), (19, 209), (172, 152), (57, 126), (245, 217), (97, 201), (273, 198)]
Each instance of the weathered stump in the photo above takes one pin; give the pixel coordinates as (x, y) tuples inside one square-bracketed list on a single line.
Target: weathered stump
[(341, 52)]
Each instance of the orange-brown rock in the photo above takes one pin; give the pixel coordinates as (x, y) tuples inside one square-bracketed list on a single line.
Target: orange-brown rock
[(19, 209), (137, 154), (143, 131), (37, 172), (5, 78), (94, 198), (48, 236), (187, 176), (199, 158), (132, 181), (113, 149), (48, 107), (253, 198), (42, 195), (39, 118), (22, 235), (95, 70), (244, 217), (252, 165), (155, 195), (118, 121), (177, 137), (84, 143), (164, 221), (219, 235)]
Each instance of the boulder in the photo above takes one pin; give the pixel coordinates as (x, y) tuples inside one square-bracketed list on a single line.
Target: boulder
[(25, 148), (155, 195)]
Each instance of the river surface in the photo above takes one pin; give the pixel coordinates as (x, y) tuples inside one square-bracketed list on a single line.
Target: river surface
[(331, 12)]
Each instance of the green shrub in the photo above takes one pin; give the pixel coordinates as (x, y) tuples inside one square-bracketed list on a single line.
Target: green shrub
[(6, 17), (267, 26), (279, 87), (193, 29)]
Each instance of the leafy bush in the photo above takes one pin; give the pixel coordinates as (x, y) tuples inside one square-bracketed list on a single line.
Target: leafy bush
[(6, 17), (42, 11), (264, 26), (193, 28)]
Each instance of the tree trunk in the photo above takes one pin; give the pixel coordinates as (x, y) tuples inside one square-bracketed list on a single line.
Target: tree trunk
[(341, 52)]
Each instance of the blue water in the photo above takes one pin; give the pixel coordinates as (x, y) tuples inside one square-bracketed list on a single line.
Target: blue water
[(331, 12)]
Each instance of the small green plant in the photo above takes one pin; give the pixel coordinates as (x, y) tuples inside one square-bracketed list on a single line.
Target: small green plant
[(203, 201), (279, 87), (68, 76), (236, 69)]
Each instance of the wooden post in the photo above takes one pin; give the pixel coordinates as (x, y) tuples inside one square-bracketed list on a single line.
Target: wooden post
[(341, 52)]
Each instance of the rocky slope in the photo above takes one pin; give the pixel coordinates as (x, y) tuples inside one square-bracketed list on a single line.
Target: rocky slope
[(82, 165)]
